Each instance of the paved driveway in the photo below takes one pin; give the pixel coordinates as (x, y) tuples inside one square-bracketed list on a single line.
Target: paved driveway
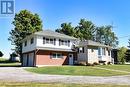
[(18, 74)]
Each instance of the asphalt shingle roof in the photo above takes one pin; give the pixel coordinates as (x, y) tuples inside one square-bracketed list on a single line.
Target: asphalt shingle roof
[(53, 34)]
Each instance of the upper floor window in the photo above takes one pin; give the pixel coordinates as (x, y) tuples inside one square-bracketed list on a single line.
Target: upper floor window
[(81, 50), (25, 43), (49, 41), (32, 40), (64, 42)]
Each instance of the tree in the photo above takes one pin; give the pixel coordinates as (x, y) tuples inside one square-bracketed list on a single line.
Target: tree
[(67, 29), (87, 28), (105, 35), (1, 54), (122, 54), (25, 23)]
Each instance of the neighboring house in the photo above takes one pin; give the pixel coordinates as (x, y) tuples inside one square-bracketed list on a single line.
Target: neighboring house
[(90, 52), (48, 48)]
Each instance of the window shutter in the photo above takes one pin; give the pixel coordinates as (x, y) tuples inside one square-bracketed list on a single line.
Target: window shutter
[(43, 40), (68, 43), (59, 42), (83, 49), (54, 41)]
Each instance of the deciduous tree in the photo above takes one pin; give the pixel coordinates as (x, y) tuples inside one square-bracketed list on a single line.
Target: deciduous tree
[(25, 23)]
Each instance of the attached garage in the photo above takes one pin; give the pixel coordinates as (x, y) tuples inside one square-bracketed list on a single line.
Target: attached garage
[(28, 59)]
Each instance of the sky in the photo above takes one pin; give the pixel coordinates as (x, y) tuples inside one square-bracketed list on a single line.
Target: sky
[(55, 12)]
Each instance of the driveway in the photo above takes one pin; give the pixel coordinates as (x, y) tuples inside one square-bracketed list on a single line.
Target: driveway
[(18, 74)]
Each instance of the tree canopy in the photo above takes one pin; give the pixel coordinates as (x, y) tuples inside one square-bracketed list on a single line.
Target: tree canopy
[(1, 54), (25, 23), (122, 55), (86, 30)]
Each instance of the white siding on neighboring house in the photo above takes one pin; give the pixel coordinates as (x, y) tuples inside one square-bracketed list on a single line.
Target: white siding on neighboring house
[(104, 57), (82, 56), (92, 54)]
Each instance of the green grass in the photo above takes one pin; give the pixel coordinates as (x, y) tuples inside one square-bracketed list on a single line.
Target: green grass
[(117, 67), (74, 70), (4, 62), (7, 84), (10, 64)]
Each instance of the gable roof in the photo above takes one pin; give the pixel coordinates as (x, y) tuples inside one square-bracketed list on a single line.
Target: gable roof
[(53, 34)]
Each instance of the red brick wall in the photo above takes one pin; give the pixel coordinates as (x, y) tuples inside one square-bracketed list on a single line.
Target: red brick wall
[(43, 58)]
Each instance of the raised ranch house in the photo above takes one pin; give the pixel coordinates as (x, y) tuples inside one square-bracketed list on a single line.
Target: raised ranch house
[(48, 48), (90, 52)]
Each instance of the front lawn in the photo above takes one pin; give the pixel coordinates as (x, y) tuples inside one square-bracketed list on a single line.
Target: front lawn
[(7, 84), (75, 70), (117, 67)]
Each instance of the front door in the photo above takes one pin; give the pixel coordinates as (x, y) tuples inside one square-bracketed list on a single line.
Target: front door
[(71, 59)]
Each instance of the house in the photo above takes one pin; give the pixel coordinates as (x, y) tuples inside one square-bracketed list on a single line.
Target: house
[(90, 52), (48, 48)]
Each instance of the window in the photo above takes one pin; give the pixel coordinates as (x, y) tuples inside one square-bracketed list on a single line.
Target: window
[(81, 50), (25, 43), (32, 40), (92, 50), (56, 55), (99, 51), (47, 41), (64, 42), (103, 51), (51, 41)]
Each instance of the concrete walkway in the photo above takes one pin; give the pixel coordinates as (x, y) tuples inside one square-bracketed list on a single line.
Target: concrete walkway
[(18, 74)]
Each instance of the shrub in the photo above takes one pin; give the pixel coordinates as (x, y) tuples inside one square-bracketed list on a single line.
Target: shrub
[(82, 63), (95, 63), (89, 64), (109, 63)]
